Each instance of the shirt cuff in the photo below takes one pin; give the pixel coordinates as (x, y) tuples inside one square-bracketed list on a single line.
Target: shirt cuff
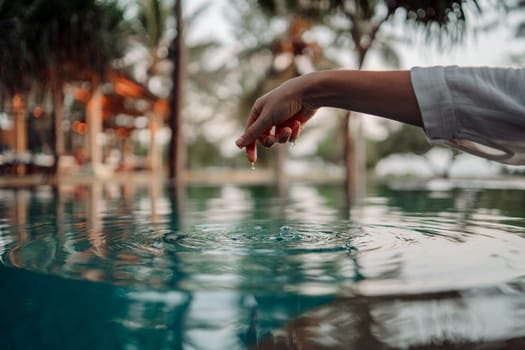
[(435, 102)]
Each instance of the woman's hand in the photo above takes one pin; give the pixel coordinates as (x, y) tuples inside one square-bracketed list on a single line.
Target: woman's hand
[(277, 116), (280, 114)]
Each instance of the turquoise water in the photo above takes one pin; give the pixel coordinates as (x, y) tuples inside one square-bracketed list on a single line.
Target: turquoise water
[(108, 266)]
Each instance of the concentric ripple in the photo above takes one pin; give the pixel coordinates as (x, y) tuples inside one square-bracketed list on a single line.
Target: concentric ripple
[(382, 250), (263, 238), (383, 259)]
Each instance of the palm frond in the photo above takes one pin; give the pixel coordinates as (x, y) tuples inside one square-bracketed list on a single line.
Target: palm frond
[(152, 17)]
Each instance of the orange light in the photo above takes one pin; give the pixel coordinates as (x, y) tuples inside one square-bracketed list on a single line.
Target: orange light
[(122, 133), (161, 108), (79, 127), (38, 111), (82, 95), (127, 88)]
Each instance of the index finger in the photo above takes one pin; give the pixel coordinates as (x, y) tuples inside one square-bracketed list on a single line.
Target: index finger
[(256, 127)]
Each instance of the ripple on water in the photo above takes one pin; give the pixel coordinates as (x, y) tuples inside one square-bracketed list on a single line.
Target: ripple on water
[(414, 254), (272, 238)]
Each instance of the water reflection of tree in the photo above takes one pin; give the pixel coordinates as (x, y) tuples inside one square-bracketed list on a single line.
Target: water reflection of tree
[(433, 321), (461, 201), (85, 234), (509, 203)]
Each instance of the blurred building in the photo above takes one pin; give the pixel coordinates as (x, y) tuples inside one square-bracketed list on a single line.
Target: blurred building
[(112, 127)]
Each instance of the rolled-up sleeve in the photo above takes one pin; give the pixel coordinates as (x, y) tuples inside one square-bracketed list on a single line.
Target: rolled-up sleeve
[(480, 110)]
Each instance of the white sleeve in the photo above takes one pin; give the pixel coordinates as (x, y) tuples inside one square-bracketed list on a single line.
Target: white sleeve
[(478, 110)]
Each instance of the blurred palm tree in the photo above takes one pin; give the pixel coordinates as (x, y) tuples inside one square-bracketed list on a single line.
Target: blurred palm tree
[(9, 52), (176, 151), (57, 41), (156, 39), (150, 42), (148, 58)]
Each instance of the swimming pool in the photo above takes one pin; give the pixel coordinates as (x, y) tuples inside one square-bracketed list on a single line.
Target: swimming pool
[(130, 266)]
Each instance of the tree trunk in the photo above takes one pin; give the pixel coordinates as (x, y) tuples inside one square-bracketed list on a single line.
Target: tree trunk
[(354, 163), (58, 102), (154, 154), (348, 157), (176, 151), (20, 132), (94, 128)]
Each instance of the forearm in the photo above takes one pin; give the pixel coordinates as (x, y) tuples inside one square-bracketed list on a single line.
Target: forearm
[(387, 94)]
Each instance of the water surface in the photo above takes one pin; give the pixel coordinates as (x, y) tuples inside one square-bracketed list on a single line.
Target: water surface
[(111, 266)]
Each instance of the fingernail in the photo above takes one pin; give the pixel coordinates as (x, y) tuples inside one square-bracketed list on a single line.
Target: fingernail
[(268, 141), (240, 142)]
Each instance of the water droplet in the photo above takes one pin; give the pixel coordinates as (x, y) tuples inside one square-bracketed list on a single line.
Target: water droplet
[(285, 229)]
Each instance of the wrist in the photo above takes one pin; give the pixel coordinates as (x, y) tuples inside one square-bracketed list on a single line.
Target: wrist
[(320, 89)]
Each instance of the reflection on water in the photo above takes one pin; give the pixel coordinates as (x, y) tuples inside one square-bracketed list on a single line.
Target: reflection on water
[(117, 266)]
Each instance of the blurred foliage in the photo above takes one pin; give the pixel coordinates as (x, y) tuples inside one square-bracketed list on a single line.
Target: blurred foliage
[(442, 20), (508, 203), (149, 30), (152, 17), (329, 149), (405, 139), (57, 40), (9, 52), (422, 11), (202, 153)]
